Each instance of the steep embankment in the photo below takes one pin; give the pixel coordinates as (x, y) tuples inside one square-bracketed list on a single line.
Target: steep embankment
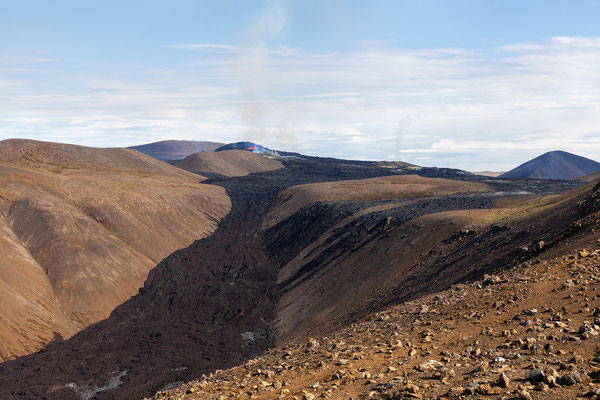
[(81, 229), (528, 332), (387, 254), (228, 163)]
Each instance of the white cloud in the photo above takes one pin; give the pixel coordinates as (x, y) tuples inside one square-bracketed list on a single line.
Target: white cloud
[(486, 110)]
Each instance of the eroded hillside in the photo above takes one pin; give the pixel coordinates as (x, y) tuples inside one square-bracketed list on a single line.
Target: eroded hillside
[(81, 229)]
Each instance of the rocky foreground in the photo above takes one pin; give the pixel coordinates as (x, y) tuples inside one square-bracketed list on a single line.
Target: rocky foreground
[(529, 332)]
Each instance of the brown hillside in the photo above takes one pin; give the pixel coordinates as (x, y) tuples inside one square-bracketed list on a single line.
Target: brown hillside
[(81, 229), (294, 198), (228, 163)]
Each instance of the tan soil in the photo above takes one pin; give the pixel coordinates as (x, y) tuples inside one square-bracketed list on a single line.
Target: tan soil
[(228, 163)]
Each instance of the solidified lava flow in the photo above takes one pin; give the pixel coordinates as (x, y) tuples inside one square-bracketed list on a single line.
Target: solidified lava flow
[(211, 305)]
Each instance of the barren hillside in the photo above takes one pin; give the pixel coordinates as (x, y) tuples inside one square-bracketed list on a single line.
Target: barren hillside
[(228, 163), (81, 229), (553, 165)]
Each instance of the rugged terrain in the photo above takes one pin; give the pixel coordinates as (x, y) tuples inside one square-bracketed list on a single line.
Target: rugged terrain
[(81, 229), (167, 150), (528, 331), (554, 165), (227, 163), (235, 294)]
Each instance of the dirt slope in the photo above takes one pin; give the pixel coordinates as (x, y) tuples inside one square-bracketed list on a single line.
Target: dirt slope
[(81, 229), (228, 163)]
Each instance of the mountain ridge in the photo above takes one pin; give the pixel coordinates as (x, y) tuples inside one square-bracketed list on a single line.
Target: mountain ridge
[(553, 165)]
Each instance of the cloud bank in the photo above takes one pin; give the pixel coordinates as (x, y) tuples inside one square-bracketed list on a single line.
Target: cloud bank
[(488, 109)]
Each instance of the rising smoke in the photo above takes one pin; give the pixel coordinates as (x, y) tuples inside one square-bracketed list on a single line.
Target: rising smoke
[(265, 119)]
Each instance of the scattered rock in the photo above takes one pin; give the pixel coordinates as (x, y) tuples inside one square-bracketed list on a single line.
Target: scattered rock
[(503, 381), (535, 375)]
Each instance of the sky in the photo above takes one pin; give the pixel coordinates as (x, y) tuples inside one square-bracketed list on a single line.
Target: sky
[(477, 85)]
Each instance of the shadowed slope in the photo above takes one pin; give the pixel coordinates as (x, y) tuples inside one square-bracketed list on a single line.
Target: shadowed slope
[(594, 176)]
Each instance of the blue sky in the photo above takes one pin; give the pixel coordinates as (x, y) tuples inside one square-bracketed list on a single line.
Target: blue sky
[(467, 84)]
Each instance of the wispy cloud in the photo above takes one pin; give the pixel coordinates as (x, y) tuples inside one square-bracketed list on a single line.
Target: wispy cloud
[(475, 110), (207, 47)]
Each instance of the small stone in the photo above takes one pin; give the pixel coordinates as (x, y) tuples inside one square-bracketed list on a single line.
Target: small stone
[(503, 381), (412, 388), (484, 388), (523, 395), (573, 378), (534, 375), (471, 388), (312, 344)]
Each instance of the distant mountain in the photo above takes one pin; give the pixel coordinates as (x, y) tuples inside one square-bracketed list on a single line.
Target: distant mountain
[(248, 146), (175, 149), (554, 165)]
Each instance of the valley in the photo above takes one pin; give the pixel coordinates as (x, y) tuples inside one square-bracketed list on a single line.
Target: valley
[(276, 272)]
